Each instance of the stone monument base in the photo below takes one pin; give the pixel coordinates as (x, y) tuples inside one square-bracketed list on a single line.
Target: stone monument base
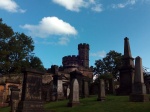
[(138, 98), (30, 106), (71, 104), (101, 99)]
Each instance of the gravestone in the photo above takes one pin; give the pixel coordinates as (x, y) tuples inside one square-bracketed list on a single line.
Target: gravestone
[(126, 71), (111, 86), (139, 88), (14, 99), (74, 93), (78, 75), (57, 79), (31, 98), (101, 90), (85, 88), (68, 92)]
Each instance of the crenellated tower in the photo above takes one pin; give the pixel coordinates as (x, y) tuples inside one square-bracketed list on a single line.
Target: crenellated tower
[(83, 54)]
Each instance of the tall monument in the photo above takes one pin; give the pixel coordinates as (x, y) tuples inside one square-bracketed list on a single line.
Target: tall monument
[(139, 89), (126, 70)]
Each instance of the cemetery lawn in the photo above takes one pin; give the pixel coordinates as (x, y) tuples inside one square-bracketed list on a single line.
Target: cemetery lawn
[(111, 104)]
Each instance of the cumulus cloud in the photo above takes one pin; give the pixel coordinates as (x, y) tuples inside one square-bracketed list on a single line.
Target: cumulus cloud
[(10, 6), (50, 26), (123, 5), (76, 5), (100, 54)]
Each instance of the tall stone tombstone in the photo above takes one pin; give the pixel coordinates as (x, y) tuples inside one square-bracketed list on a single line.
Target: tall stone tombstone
[(58, 83), (31, 99), (126, 71), (101, 91), (111, 86), (139, 88), (14, 99), (74, 93), (85, 87), (78, 75)]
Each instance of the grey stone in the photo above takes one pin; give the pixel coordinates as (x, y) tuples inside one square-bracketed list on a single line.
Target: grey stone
[(74, 93), (86, 88), (101, 91), (68, 92), (60, 90), (139, 88), (126, 71), (14, 99), (31, 98)]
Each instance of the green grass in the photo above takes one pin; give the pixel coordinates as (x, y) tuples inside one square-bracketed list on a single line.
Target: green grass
[(111, 104)]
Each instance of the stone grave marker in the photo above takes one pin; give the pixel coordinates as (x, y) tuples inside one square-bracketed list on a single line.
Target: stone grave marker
[(74, 93), (101, 91), (31, 98), (68, 92), (111, 86), (85, 88), (139, 89)]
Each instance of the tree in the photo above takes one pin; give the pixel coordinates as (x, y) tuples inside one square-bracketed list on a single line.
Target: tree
[(16, 51), (6, 33), (36, 63), (21, 48), (109, 64)]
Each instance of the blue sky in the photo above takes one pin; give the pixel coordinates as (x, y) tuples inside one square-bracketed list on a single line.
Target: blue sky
[(58, 26)]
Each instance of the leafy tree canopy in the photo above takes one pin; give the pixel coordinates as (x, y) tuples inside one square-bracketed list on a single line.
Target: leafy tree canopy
[(16, 51), (109, 64)]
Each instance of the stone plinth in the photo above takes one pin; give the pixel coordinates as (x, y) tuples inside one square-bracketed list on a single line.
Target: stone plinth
[(31, 100)]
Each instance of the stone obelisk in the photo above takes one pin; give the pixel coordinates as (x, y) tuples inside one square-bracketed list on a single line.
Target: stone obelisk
[(139, 88), (126, 70)]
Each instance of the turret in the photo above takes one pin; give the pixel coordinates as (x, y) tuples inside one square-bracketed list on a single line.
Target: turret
[(83, 54)]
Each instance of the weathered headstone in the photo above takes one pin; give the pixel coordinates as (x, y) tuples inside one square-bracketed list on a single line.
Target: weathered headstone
[(85, 88), (126, 71), (139, 88), (59, 85), (101, 91), (14, 99), (111, 86), (68, 92), (74, 93), (31, 99)]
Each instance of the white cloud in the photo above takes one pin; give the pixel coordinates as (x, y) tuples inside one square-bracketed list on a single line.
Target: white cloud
[(10, 6), (73, 5), (76, 5), (50, 26), (123, 5), (97, 8), (100, 54)]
